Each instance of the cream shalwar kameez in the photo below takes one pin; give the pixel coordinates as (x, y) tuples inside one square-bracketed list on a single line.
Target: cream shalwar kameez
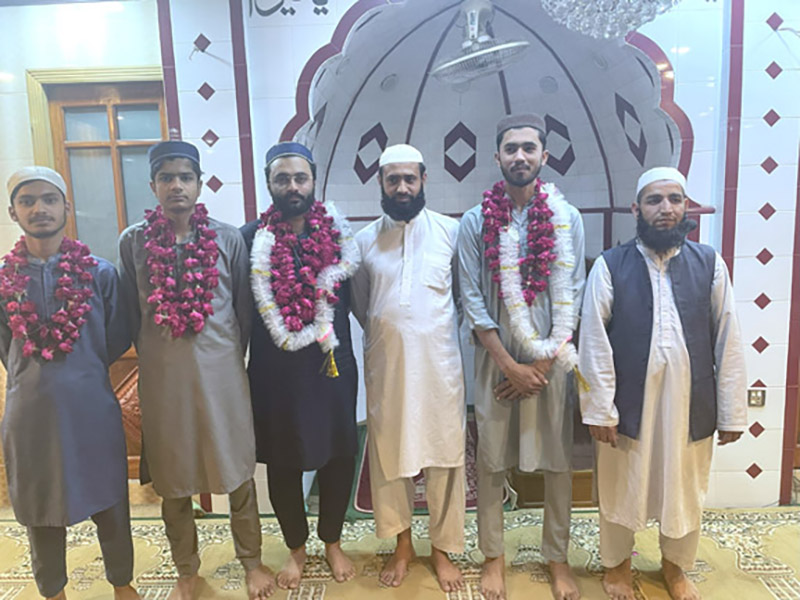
[(403, 295), (663, 474), (533, 433)]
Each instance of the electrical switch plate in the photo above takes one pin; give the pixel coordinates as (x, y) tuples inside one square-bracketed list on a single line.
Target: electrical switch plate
[(756, 397)]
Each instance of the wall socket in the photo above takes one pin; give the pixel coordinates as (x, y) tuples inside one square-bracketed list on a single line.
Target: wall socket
[(756, 397)]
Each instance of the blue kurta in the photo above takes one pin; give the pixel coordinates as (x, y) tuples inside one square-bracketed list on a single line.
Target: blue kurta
[(63, 438)]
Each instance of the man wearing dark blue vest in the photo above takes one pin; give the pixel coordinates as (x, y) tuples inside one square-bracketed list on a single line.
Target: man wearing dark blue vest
[(661, 350)]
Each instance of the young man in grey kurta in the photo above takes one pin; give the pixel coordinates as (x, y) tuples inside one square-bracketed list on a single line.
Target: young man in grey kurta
[(63, 440), (532, 427), (197, 423)]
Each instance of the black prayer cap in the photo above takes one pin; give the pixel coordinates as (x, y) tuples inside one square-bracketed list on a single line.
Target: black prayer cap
[(282, 149), (173, 149)]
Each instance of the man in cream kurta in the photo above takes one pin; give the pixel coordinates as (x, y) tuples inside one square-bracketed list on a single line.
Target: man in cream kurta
[(532, 427), (655, 455), (403, 297)]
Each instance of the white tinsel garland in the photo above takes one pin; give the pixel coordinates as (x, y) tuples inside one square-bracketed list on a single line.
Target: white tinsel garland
[(321, 329), (559, 283)]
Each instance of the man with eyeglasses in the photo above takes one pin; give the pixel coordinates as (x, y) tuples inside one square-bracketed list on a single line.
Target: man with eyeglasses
[(303, 376)]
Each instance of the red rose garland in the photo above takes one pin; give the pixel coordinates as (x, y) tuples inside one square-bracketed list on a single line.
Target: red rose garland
[(295, 290), (183, 304), (60, 333), (534, 265)]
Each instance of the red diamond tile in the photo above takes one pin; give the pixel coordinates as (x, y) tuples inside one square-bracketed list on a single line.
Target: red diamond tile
[(762, 301), (766, 211), (210, 138), (754, 470), (771, 117), (214, 184), (201, 42), (756, 429), (774, 69), (759, 384), (206, 91), (769, 164), (775, 21), (760, 344), (764, 256)]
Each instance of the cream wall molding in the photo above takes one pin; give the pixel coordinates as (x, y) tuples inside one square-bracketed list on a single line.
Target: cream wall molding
[(36, 79)]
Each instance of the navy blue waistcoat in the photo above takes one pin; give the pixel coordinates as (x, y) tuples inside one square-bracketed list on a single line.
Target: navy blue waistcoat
[(631, 325)]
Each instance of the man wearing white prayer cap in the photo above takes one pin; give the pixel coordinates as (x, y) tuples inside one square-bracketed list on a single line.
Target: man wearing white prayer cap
[(661, 350), (403, 295)]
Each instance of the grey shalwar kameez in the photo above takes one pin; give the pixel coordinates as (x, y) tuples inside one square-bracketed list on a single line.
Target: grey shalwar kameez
[(63, 440), (197, 423), (533, 433)]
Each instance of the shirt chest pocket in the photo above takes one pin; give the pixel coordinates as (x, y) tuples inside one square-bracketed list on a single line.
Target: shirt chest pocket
[(438, 277)]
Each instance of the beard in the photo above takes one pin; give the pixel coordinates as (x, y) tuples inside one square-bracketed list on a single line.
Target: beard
[(662, 240), (403, 211), (288, 210), (520, 178)]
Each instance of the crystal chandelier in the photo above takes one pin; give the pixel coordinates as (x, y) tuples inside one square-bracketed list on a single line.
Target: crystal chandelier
[(605, 19)]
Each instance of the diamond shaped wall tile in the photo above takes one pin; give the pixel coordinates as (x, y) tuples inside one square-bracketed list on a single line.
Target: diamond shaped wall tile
[(764, 256), (210, 138), (775, 21), (201, 42), (756, 429), (754, 470), (771, 117), (206, 91), (762, 301), (759, 384), (769, 164), (214, 184), (766, 211), (760, 344), (774, 69)]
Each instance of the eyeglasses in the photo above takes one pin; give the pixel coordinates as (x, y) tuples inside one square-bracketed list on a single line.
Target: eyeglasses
[(284, 179)]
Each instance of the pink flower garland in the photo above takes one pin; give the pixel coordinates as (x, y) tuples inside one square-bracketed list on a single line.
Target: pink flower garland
[(183, 304), (60, 333), (534, 265), (295, 290)]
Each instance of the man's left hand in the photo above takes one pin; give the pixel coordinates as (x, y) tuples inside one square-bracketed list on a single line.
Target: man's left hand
[(727, 437)]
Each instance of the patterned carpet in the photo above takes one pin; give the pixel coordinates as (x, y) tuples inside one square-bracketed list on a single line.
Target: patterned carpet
[(743, 555)]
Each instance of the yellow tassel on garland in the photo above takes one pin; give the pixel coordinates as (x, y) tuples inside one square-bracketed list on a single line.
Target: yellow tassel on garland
[(583, 385), (329, 366)]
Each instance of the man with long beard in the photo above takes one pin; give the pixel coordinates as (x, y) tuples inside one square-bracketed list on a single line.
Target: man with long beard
[(403, 296), (303, 376), (61, 327), (521, 258), (661, 350)]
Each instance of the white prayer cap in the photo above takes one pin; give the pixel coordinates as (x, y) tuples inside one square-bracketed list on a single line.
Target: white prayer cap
[(400, 153), (661, 174), (28, 174)]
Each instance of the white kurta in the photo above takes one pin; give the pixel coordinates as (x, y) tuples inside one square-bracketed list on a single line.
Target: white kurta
[(403, 295), (662, 475)]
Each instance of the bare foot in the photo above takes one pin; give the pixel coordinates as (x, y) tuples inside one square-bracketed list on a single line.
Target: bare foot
[(260, 583), (493, 578), (396, 569), (678, 585), (289, 576), (449, 575), (618, 581), (126, 592), (341, 566), (184, 588), (62, 595), (562, 583)]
